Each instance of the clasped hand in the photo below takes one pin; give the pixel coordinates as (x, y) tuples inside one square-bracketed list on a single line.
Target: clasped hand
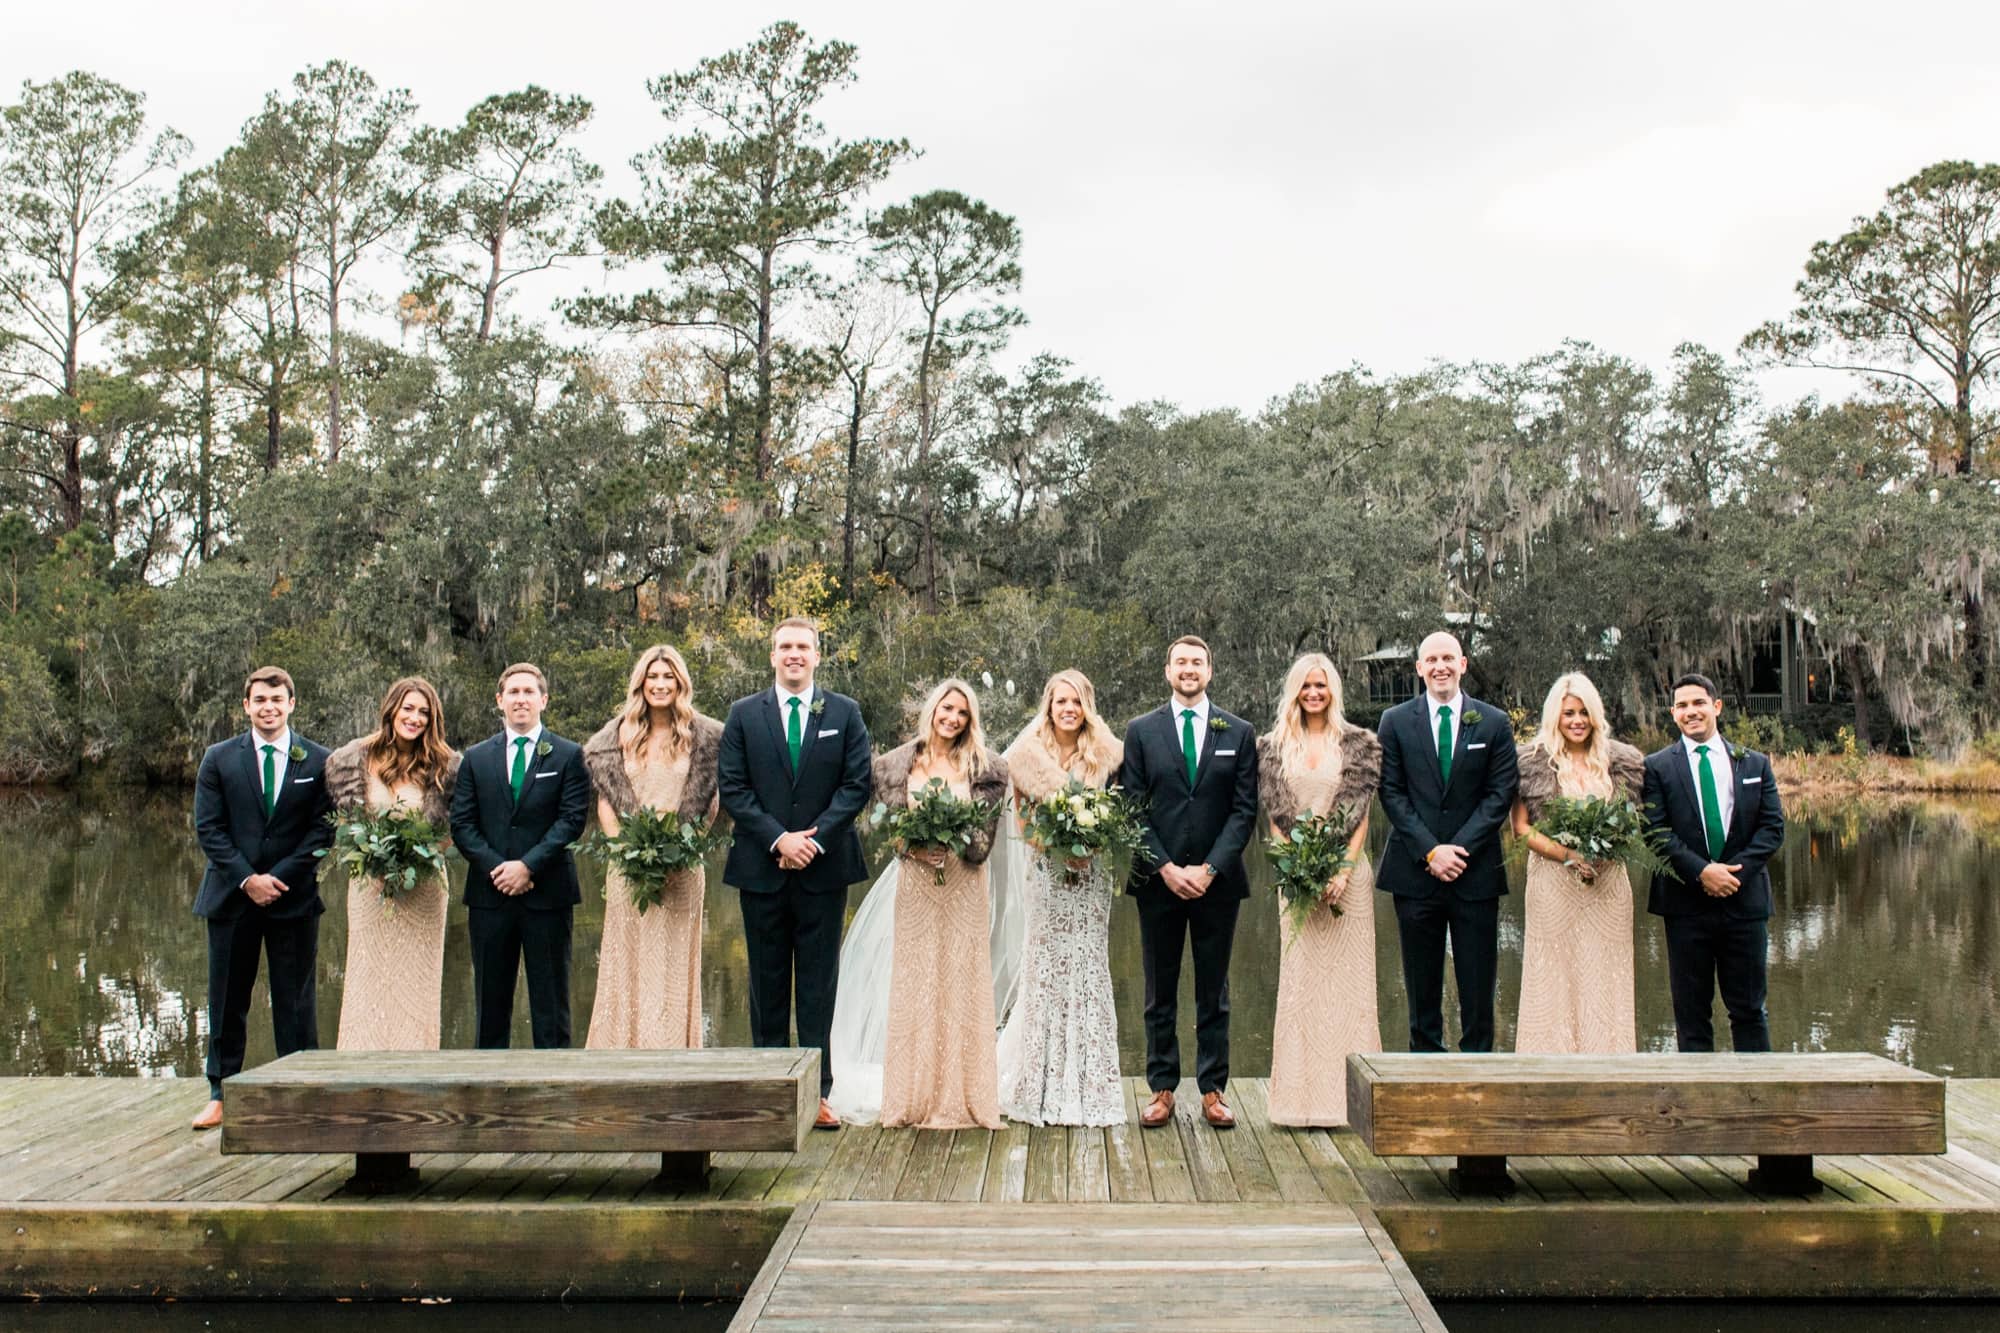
[(512, 878), (1719, 880), (265, 889), (796, 850), (1447, 861), (1185, 881)]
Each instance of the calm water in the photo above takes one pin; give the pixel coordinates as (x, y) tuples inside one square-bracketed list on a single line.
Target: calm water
[(1887, 939)]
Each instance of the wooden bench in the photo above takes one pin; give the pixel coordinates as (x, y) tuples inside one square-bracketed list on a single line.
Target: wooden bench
[(383, 1106), (1781, 1108)]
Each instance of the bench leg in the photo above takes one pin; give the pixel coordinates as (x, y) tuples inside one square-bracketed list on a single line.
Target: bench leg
[(1782, 1173), (381, 1172), (682, 1170), (1482, 1175)]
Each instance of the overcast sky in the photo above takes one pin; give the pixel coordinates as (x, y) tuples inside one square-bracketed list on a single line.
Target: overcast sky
[(1221, 201)]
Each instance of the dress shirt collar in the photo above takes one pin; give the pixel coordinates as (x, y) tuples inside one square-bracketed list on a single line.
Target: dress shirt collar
[(283, 742), (804, 696), (1718, 749), (512, 736), (1200, 706), (1457, 703)]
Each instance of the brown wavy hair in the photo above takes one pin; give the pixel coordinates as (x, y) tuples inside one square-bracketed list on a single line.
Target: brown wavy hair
[(635, 726), (426, 762)]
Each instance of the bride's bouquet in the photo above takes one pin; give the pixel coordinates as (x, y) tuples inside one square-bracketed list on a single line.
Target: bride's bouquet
[(936, 818), (649, 846), (1077, 822), (1600, 830), (1307, 859), (398, 847)]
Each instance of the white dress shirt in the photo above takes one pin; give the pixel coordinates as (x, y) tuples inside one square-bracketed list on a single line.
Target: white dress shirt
[(1200, 706), (1457, 705), (280, 757), (1725, 779), (805, 698)]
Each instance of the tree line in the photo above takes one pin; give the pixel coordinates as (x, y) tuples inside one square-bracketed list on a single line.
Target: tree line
[(289, 404)]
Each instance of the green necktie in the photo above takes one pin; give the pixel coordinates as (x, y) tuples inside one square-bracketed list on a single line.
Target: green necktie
[(270, 780), (1444, 742), (520, 766), (1711, 807), (1187, 742), (794, 737)]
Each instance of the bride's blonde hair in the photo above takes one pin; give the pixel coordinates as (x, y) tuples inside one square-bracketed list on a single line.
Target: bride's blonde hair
[(1095, 743), (1548, 734), (968, 752), (1288, 731)]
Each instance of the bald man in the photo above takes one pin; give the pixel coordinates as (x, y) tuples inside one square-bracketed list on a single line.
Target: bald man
[(1448, 778)]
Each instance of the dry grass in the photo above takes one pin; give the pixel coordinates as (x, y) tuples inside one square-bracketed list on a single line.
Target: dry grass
[(1835, 773)]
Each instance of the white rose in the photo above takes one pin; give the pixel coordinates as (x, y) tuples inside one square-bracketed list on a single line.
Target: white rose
[(1086, 819)]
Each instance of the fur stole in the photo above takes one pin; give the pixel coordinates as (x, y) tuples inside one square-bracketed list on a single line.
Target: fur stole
[(1360, 774), (1036, 773), (347, 782), (1538, 774), (892, 787), (605, 760)]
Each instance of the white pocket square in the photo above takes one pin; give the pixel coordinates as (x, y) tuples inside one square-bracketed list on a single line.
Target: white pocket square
[(1480, 746), (546, 773), (1749, 781), (832, 731), (296, 781), (1224, 754)]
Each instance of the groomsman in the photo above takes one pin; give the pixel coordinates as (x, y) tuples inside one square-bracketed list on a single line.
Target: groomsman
[(260, 808), (1448, 778), (521, 800), (794, 773), (1715, 807), (1194, 766)]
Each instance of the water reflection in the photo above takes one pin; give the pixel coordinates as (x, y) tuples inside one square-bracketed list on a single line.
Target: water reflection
[(1884, 941)]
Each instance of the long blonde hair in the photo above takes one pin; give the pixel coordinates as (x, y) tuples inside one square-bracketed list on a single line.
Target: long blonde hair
[(1095, 744), (1288, 730), (968, 752), (1548, 735), (635, 728)]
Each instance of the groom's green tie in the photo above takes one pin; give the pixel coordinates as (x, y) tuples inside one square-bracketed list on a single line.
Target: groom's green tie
[(270, 780), (1187, 742), (520, 766), (794, 736), (1444, 742), (1711, 808)]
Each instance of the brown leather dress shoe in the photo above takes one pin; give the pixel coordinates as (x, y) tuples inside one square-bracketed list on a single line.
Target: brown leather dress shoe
[(1158, 1111), (1216, 1111), (826, 1119), (210, 1117)]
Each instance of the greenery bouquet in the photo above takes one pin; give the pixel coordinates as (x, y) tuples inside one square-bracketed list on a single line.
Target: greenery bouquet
[(1307, 859), (649, 846), (1600, 830), (397, 847), (1077, 822), (936, 819)]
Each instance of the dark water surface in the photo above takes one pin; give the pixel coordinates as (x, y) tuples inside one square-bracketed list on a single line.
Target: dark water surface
[(1886, 939)]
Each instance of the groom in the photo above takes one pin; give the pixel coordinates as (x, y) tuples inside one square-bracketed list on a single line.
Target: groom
[(1194, 767), (260, 808), (522, 798), (1448, 778), (794, 774)]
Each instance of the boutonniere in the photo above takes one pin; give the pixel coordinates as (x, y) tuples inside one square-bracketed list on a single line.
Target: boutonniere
[(542, 750), (818, 706), (1735, 751), (1218, 724), (297, 754), (1472, 717)]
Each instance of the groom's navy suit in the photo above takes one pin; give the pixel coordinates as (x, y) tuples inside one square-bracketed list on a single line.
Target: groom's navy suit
[(792, 918), (1712, 941), (240, 840), (528, 931), (1209, 821), (1425, 809)]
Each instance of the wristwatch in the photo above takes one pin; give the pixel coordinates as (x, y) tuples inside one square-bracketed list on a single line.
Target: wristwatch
[(1213, 873)]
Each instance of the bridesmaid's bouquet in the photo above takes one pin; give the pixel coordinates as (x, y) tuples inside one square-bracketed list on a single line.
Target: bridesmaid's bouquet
[(1600, 830), (1077, 822), (649, 846), (936, 818), (1307, 859), (398, 847)]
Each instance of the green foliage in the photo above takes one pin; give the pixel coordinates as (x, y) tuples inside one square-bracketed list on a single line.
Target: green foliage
[(1079, 822), (937, 819), (651, 845), (1306, 861), (398, 848), (1600, 830)]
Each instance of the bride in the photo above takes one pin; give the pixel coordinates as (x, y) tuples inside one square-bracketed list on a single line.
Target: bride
[(1058, 1053)]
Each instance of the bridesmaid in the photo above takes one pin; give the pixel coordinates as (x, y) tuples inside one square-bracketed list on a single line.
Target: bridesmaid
[(658, 752), (1576, 959), (938, 1069), (395, 958), (1059, 1053), (1312, 762)]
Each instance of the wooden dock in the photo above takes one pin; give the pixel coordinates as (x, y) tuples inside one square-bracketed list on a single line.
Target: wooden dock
[(105, 1192)]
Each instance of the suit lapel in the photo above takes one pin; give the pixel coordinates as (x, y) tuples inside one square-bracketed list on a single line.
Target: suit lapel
[(1736, 801), (1691, 830), (808, 730), (1214, 741), (254, 777), (1420, 722), (1170, 719)]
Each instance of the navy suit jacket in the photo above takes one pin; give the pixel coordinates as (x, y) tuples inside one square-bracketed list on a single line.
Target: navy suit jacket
[(489, 827), (1425, 811), (766, 799), (239, 841), (1756, 831), (1209, 822)]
